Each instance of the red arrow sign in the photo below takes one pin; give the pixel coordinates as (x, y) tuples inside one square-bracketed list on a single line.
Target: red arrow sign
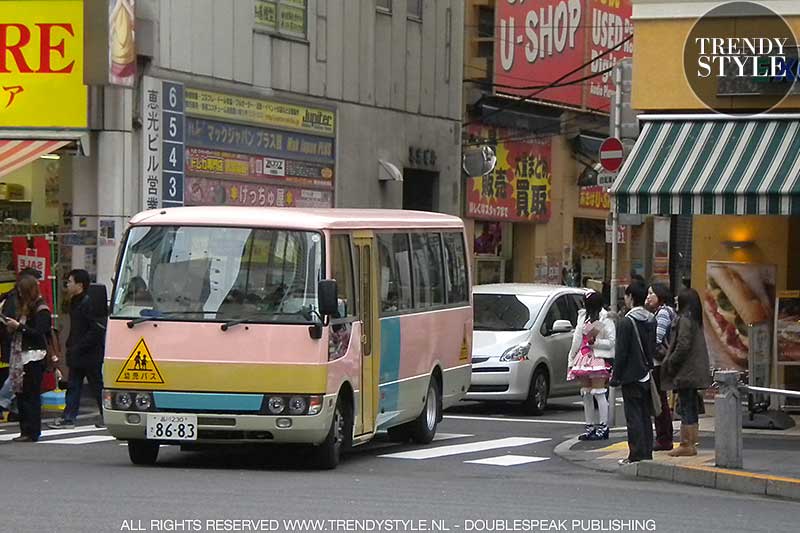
[(611, 154)]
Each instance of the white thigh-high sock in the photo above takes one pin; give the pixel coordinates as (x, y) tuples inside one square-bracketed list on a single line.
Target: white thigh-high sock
[(589, 409), (602, 404)]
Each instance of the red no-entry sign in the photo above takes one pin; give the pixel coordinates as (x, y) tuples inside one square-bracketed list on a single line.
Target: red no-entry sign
[(611, 154)]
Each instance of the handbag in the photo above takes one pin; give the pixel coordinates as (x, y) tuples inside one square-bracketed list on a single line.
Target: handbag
[(655, 399), (49, 381)]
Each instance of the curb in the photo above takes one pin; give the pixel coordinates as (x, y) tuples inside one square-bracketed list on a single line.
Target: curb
[(716, 478), (740, 481)]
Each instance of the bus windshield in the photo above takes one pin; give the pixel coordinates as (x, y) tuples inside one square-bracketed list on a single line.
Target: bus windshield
[(218, 274)]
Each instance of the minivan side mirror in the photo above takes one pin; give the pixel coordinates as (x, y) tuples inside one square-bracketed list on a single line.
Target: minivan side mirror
[(327, 297), (561, 326)]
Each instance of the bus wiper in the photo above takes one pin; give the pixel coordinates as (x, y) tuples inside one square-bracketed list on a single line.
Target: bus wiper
[(154, 315)]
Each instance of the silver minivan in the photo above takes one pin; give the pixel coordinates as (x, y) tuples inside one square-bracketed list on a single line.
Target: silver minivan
[(520, 342)]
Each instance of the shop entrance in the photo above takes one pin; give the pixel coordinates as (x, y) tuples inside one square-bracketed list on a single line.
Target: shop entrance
[(420, 190), (590, 255)]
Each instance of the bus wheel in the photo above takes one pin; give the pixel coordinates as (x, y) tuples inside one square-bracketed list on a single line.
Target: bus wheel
[(536, 402), (143, 452), (423, 429), (329, 453)]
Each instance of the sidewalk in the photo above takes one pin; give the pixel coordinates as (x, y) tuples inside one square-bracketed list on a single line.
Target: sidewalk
[(88, 410), (771, 461)]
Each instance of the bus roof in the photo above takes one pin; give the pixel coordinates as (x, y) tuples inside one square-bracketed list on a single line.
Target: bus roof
[(296, 218)]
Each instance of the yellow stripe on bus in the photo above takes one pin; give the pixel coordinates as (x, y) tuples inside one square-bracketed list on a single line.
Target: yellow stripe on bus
[(227, 377)]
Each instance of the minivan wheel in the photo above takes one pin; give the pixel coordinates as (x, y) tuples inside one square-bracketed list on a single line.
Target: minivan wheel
[(423, 429), (536, 402)]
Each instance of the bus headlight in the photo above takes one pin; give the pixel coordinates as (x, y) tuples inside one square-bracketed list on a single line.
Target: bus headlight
[(143, 401), (276, 405), (124, 400), (108, 402), (314, 405), (297, 405)]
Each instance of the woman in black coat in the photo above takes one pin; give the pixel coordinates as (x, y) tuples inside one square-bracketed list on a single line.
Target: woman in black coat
[(28, 355)]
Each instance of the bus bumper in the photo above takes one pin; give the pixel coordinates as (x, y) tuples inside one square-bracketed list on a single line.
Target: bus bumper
[(220, 428)]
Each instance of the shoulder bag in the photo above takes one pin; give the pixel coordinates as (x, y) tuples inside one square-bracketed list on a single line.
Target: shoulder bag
[(655, 399)]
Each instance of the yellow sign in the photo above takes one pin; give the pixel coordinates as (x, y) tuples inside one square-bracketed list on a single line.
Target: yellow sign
[(41, 64), (140, 366), (464, 355), (261, 112)]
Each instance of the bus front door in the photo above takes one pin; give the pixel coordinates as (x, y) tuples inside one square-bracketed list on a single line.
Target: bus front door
[(370, 342)]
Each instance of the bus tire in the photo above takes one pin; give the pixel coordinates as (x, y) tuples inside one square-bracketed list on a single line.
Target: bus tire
[(340, 434), (143, 452), (423, 428), (536, 402)]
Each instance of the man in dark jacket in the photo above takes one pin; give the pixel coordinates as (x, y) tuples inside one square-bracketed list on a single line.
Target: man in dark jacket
[(84, 349), (632, 365)]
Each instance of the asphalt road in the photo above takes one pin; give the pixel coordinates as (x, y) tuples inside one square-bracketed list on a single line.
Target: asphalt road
[(83, 482)]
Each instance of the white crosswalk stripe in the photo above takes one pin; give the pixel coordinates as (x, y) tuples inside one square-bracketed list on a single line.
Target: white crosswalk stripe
[(508, 460), (457, 449), (88, 439), (54, 432)]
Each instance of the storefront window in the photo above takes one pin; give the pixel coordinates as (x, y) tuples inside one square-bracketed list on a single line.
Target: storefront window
[(490, 239)]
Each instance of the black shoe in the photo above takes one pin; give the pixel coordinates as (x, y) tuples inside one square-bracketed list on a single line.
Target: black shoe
[(23, 438), (12, 417), (600, 433), (61, 424), (587, 434)]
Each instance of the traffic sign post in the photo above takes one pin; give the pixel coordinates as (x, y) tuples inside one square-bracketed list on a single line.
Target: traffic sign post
[(611, 154)]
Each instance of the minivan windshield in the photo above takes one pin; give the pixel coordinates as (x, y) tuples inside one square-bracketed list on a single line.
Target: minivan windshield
[(505, 312), (218, 274)]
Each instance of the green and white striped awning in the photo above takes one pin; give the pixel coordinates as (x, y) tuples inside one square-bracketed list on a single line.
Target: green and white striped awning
[(713, 165)]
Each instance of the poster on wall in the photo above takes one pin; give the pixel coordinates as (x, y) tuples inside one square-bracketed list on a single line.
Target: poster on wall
[(541, 41), (35, 253), (787, 328), (518, 189), (735, 296), (661, 227)]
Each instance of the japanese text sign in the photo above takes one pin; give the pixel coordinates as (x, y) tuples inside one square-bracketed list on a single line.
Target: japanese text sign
[(518, 189), (41, 55)]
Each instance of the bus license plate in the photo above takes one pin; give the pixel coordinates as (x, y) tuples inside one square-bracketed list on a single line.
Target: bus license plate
[(171, 427)]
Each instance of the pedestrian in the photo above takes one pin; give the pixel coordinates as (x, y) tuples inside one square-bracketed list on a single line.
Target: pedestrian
[(84, 350), (589, 362), (686, 367), (30, 330), (658, 299), (633, 361)]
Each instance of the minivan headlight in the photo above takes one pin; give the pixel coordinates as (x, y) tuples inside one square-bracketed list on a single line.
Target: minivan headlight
[(516, 353)]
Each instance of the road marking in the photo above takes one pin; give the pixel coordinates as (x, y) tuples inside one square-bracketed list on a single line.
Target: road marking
[(88, 439), (508, 460), (51, 432), (456, 449), (449, 436), (501, 419)]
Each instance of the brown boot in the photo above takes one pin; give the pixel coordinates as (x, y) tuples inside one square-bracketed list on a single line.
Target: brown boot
[(686, 448)]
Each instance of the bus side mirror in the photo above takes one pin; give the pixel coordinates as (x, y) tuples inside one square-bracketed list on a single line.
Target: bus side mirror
[(327, 297)]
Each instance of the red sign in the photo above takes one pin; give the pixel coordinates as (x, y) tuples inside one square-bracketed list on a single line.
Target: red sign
[(220, 164), (518, 189), (611, 155), (37, 258), (539, 41)]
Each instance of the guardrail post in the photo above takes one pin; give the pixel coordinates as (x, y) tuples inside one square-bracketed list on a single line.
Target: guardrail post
[(728, 420)]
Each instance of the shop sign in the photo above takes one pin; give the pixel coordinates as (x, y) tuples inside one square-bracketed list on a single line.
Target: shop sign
[(518, 189), (215, 135), (260, 112), (594, 197), (174, 147), (207, 191), (35, 253), (620, 233), (287, 17), (151, 142), (548, 39), (215, 163), (41, 55)]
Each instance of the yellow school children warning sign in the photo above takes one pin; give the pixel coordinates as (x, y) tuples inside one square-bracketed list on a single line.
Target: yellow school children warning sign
[(140, 366)]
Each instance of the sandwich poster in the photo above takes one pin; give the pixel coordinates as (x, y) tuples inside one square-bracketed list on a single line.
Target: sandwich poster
[(788, 328), (736, 296)]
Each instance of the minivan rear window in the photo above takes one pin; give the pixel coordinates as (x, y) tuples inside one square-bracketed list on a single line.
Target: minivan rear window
[(500, 312)]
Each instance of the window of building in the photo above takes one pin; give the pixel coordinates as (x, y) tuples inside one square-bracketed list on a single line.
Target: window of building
[(384, 5), (394, 272), (342, 272), (455, 268), (282, 17), (427, 263), (414, 8)]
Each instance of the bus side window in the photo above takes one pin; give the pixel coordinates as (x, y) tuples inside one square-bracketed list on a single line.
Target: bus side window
[(456, 268), (394, 272), (428, 285), (342, 267)]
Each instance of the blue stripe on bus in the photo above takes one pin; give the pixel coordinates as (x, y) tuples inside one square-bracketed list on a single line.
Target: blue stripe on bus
[(390, 363), (208, 401)]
